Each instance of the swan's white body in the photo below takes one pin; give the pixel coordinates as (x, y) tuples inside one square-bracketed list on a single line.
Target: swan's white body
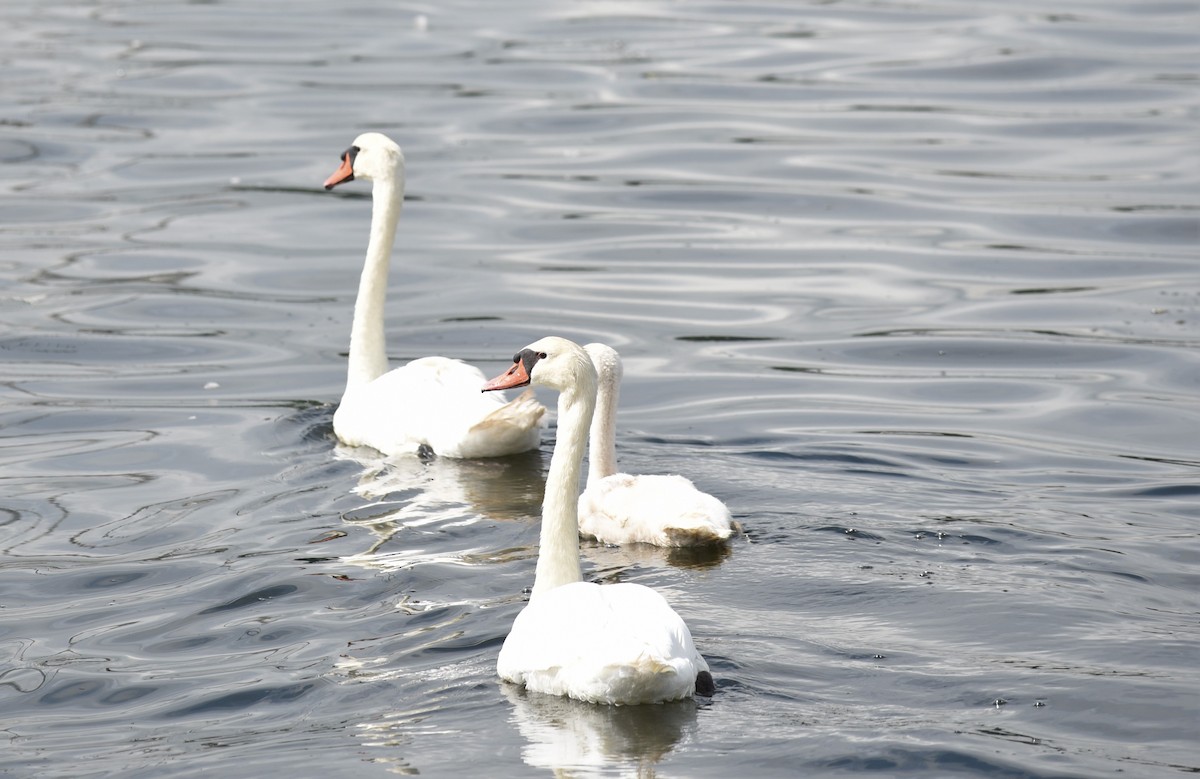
[(611, 643), (617, 508), (616, 643), (433, 401), (436, 401)]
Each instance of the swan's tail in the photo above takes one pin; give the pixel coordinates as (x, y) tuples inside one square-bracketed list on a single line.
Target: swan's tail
[(709, 531), (514, 427)]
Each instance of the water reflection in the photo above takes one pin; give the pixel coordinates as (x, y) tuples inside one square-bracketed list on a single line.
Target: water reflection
[(412, 492), (576, 739), (498, 487), (609, 558)]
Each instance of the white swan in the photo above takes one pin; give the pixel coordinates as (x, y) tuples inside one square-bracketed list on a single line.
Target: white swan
[(617, 508), (616, 643), (434, 401)]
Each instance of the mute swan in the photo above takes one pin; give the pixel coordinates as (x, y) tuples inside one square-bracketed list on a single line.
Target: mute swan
[(616, 643), (433, 401), (617, 508)]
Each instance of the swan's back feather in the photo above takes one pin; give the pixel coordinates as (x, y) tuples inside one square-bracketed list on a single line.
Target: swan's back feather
[(660, 510), (617, 643)]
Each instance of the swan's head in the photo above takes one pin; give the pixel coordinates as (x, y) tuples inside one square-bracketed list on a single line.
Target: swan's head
[(373, 156), (551, 362), (606, 360)]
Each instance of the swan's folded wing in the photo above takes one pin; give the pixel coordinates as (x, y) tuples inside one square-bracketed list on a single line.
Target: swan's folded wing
[(513, 427)]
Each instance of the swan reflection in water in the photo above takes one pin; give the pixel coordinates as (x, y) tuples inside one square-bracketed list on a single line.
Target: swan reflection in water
[(606, 557), (413, 493), (577, 739)]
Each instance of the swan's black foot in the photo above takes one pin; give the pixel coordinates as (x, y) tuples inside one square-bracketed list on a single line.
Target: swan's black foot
[(425, 453), (705, 685)]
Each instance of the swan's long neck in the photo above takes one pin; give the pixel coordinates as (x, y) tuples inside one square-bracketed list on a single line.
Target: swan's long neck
[(368, 347), (602, 445), (558, 558)]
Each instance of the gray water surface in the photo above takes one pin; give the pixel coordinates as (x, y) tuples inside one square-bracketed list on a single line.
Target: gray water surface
[(913, 287)]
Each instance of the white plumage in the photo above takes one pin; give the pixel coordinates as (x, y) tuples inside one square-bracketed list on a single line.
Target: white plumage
[(436, 401), (617, 508), (433, 401), (614, 643), (611, 643)]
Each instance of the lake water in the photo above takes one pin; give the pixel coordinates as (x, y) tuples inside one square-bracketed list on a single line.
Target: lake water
[(914, 287)]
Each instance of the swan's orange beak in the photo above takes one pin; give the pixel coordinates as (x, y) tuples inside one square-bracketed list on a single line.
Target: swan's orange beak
[(515, 376), (343, 174)]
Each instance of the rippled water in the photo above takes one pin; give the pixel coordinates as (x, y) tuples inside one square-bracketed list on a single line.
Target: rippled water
[(912, 286)]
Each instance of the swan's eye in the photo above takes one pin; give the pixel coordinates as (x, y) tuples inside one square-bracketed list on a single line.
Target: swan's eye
[(541, 355)]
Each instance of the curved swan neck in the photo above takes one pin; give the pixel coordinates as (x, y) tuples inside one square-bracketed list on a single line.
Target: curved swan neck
[(558, 558), (602, 446), (368, 345)]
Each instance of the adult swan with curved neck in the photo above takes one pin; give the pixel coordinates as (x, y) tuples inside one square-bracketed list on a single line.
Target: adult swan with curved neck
[(431, 402), (617, 508), (612, 643)]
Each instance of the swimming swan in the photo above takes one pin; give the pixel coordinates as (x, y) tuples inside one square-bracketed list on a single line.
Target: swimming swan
[(433, 401), (616, 643), (617, 508)]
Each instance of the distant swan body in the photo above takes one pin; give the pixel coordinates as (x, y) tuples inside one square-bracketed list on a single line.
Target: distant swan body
[(432, 402), (613, 643), (617, 508)]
